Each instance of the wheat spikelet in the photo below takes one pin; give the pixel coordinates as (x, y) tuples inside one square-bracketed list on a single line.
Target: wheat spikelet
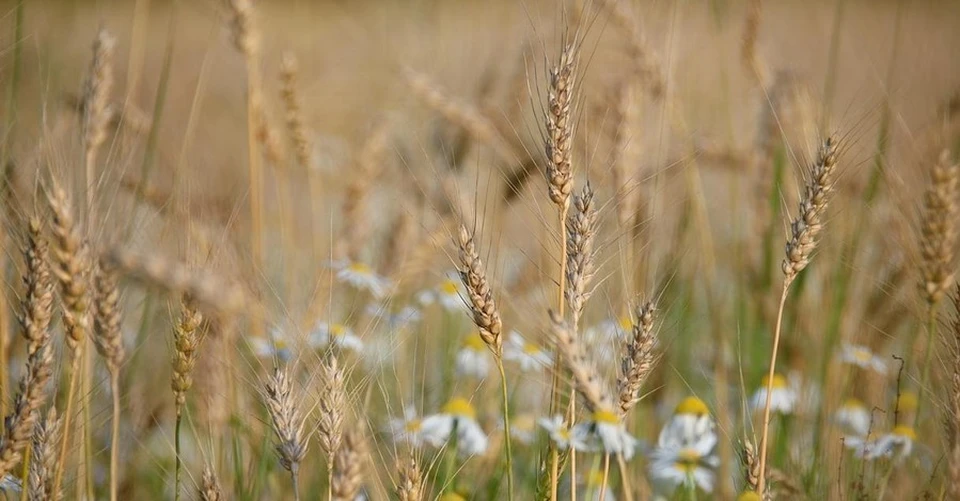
[(751, 465), (356, 224), (465, 116), (627, 150), (807, 225), (210, 486), (938, 230), (486, 315), (35, 322), (19, 425), (748, 44), (410, 485), (348, 467), (71, 270), (581, 227), (201, 286), (107, 338), (333, 403), (294, 116), (644, 59), (560, 127), (288, 424), (43, 461), (588, 382), (639, 358), (96, 103), (186, 344)]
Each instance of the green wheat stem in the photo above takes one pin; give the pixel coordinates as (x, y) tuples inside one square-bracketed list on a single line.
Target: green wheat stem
[(506, 425)]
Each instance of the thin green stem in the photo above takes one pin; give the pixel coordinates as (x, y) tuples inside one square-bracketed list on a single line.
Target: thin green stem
[(506, 426), (179, 462)]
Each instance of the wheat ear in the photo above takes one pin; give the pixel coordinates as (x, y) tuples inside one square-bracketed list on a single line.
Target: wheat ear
[(348, 467), (96, 107), (46, 436), (486, 316), (186, 346), (333, 403), (410, 484), (282, 404), (804, 231), (109, 343), (639, 359), (210, 486), (72, 273)]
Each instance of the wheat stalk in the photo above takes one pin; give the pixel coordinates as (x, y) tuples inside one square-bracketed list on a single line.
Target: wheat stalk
[(804, 231), (109, 343)]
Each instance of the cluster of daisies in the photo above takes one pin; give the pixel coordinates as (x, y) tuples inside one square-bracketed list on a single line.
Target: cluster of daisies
[(683, 456)]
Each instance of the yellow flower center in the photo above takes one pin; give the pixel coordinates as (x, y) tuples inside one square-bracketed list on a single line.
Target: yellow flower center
[(852, 404), (530, 348), (605, 416), (687, 460), (449, 287), (337, 330), (907, 401), (474, 342), (692, 405), (779, 382), (460, 407), (412, 426), (625, 323), (748, 496), (279, 344), (905, 432), (862, 355), (360, 268)]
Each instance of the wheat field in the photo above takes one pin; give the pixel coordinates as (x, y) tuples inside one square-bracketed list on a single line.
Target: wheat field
[(456, 250)]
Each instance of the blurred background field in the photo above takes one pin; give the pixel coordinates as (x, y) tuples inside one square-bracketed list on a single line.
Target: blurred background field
[(417, 116)]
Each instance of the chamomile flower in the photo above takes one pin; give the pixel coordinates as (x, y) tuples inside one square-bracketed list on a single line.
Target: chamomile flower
[(556, 428), (394, 321), (276, 345), (898, 444), (784, 397), (691, 466), (862, 357), (529, 356), (362, 277), (604, 431), (473, 359), (406, 429), (325, 334), (447, 294), (457, 416), (689, 424), (853, 417)]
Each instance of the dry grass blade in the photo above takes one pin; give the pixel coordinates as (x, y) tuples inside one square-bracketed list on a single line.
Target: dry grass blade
[(639, 358)]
